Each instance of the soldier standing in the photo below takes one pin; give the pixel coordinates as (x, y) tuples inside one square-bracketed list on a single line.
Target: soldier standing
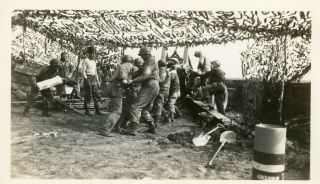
[(148, 75), (91, 82)]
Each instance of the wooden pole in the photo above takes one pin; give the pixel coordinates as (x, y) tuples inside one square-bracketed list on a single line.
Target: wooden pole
[(185, 55), (163, 53), (283, 80), (78, 64)]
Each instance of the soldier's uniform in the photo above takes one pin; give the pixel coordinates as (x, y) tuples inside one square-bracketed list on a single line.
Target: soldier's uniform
[(174, 93), (115, 90), (149, 76), (216, 87), (162, 98), (48, 72), (130, 93)]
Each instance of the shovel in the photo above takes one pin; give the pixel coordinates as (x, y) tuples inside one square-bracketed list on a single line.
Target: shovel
[(203, 139), (227, 136)]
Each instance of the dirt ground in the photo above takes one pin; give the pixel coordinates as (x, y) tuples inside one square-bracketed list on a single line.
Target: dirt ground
[(67, 146)]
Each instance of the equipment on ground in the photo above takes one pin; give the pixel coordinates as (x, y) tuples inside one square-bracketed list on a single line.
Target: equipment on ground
[(225, 137), (203, 138)]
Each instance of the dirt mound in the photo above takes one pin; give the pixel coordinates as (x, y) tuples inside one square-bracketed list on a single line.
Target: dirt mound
[(184, 138)]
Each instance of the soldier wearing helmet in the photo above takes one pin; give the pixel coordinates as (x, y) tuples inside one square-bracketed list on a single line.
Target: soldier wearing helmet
[(131, 92), (48, 72), (138, 62), (216, 86), (148, 76), (164, 83), (115, 91)]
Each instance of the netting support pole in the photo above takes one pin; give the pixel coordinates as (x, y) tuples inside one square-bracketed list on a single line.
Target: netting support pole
[(283, 79), (185, 55), (163, 53)]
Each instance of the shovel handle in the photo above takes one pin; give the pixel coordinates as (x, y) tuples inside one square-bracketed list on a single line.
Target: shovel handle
[(217, 127), (214, 156)]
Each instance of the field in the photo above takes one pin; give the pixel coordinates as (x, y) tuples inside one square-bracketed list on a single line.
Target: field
[(67, 146)]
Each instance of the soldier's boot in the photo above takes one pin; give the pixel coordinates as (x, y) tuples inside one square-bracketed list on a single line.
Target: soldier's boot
[(171, 118), (104, 132), (131, 129), (178, 113), (76, 95), (124, 124), (97, 107), (152, 128), (121, 124), (46, 113), (116, 129), (26, 110), (156, 121), (87, 112)]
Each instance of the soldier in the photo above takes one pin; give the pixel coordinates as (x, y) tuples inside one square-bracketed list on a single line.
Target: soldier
[(216, 87), (138, 62), (68, 72), (130, 93), (91, 82), (148, 75), (161, 99), (202, 65), (116, 91), (174, 91), (48, 72)]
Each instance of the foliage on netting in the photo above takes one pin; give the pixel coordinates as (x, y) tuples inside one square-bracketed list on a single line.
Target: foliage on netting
[(265, 61), (33, 49), (30, 46), (264, 67), (107, 62), (136, 28)]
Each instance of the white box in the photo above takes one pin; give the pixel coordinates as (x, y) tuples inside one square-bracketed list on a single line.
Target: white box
[(49, 83)]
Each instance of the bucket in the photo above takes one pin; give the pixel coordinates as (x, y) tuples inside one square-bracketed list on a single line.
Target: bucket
[(269, 152)]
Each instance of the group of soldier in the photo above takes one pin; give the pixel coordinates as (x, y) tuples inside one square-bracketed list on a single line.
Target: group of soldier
[(148, 87), (140, 89)]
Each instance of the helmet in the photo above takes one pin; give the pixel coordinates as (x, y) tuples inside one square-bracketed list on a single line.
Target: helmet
[(162, 63), (144, 51), (138, 62), (172, 62), (197, 54), (127, 58), (216, 62), (63, 53), (54, 62), (90, 50)]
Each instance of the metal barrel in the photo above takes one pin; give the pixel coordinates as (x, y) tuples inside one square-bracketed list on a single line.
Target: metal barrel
[(269, 152)]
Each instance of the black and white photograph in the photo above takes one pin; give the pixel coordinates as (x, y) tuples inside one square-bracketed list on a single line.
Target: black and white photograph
[(160, 94)]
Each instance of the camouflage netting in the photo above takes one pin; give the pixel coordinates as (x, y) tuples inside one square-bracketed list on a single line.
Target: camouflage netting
[(264, 69), (161, 28), (43, 34)]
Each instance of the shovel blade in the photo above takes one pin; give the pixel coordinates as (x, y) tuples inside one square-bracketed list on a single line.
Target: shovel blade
[(228, 136), (201, 140)]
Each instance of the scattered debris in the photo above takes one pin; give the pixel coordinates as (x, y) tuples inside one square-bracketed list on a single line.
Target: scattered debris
[(35, 136)]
